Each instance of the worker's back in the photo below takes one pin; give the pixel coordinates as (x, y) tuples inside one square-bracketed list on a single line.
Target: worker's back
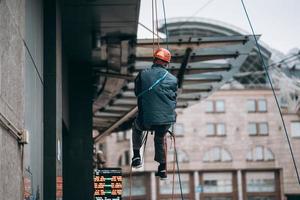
[(156, 106)]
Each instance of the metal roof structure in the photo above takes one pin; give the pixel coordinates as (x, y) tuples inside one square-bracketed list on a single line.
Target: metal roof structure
[(202, 65)]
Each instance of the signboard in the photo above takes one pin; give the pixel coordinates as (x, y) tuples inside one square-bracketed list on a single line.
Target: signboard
[(108, 184), (59, 187)]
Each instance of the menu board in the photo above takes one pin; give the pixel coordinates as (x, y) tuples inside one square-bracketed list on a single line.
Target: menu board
[(108, 184)]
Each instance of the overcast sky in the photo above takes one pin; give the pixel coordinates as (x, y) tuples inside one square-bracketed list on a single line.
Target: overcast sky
[(277, 20)]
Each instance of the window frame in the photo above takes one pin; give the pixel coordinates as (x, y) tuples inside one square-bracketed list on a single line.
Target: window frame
[(256, 106), (276, 194), (214, 106), (190, 195), (233, 194), (294, 137), (257, 127), (147, 183), (123, 137), (215, 129)]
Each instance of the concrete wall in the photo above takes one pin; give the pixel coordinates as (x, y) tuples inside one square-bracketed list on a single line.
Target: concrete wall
[(12, 62), (21, 95)]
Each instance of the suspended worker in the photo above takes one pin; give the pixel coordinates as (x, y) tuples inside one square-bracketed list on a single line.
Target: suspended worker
[(155, 89)]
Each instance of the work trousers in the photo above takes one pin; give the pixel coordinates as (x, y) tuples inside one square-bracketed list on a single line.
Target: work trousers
[(138, 134)]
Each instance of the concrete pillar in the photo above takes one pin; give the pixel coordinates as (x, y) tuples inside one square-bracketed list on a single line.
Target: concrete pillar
[(240, 185), (52, 98), (78, 141), (196, 183), (153, 186)]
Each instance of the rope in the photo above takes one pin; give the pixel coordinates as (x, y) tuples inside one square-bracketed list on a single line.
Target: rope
[(153, 32), (166, 27), (156, 11), (178, 170), (130, 172), (273, 90)]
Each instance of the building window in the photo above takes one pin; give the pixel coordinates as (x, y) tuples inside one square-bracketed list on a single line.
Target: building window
[(138, 186), (165, 187), (295, 129), (218, 185), (257, 105), (215, 106), (258, 129), (178, 129), (182, 156), (123, 135), (124, 159), (216, 129), (217, 154), (262, 185), (260, 153)]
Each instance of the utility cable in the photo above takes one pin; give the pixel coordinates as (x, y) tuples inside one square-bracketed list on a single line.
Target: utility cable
[(156, 13), (148, 29), (166, 26), (286, 59), (196, 13), (273, 90)]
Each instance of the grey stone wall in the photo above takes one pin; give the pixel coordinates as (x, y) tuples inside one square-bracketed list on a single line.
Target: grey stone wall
[(12, 59)]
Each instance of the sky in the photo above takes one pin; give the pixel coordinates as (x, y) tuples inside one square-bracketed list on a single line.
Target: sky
[(278, 21)]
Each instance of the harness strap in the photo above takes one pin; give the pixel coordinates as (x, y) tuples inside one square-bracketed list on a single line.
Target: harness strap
[(154, 84)]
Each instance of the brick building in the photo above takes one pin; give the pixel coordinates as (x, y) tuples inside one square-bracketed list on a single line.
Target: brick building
[(230, 146)]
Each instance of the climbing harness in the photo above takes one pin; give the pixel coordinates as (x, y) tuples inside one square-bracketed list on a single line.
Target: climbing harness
[(273, 91)]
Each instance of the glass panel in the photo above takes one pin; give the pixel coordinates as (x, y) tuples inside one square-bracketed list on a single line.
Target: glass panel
[(221, 129), (268, 155), (220, 106), (259, 153), (225, 155), (165, 187), (217, 182), (262, 105), (216, 154), (295, 129), (210, 129), (209, 106), (252, 129), (263, 128), (138, 186), (260, 181), (251, 106)]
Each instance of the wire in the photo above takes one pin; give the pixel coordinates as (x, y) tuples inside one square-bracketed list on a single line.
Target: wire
[(285, 60), (166, 26), (196, 13), (148, 29), (156, 13), (273, 90)]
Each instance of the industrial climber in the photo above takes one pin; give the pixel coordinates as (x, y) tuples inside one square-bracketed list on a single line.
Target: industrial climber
[(155, 89)]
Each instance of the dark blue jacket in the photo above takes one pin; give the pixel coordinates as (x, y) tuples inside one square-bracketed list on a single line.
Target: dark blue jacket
[(157, 106)]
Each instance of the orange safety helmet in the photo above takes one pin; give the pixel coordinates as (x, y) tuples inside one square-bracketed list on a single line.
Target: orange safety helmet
[(163, 54)]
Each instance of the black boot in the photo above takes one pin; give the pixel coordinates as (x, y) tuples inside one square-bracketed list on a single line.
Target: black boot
[(136, 160), (162, 171)]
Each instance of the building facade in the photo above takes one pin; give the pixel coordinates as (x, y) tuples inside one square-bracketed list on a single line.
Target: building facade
[(230, 146)]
